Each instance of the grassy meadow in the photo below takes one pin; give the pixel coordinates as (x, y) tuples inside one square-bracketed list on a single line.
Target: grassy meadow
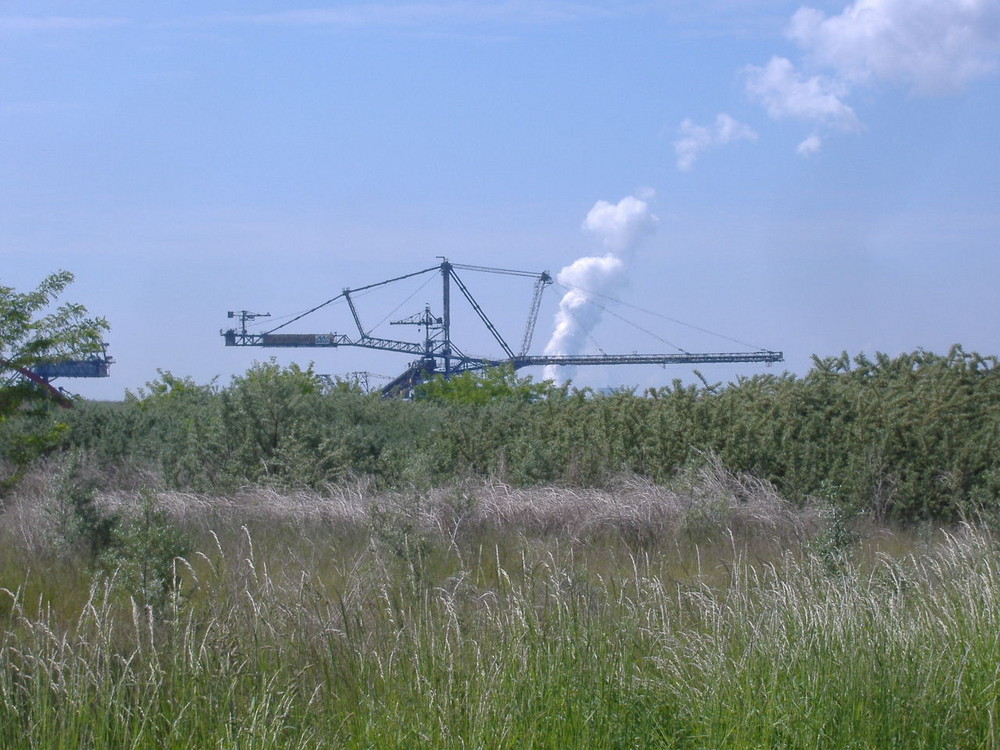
[(708, 612), (282, 562)]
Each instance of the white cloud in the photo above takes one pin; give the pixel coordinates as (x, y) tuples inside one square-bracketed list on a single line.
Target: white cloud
[(810, 145), (786, 93), (930, 45), (645, 193), (696, 139)]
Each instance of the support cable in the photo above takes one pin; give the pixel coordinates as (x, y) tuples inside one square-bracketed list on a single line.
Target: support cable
[(359, 289), (635, 325), (302, 315), (396, 308), (659, 315), (489, 269), (587, 333)]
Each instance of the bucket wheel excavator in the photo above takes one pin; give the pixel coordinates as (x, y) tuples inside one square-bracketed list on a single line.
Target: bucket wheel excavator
[(438, 353)]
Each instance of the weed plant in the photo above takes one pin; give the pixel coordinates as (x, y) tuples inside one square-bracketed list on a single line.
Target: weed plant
[(485, 615)]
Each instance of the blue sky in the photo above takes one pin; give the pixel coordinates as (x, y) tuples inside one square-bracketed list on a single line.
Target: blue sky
[(815, 177)]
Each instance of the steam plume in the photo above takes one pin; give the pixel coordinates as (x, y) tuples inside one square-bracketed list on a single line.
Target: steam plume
[(620, 228)]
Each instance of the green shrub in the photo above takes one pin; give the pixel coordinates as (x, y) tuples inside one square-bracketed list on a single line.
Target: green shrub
[(139, 556), (907, 438)]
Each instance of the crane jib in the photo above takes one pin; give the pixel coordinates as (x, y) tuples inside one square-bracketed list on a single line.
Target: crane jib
[(439, 355)]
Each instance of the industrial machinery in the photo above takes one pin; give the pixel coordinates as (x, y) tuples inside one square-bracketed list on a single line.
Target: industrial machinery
[(437, 353), (97, 365)]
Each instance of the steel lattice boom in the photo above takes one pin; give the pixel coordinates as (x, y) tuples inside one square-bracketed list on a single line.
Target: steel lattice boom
[(438, 354)]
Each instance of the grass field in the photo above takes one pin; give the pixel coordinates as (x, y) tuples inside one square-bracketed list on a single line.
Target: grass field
[(706, 615)]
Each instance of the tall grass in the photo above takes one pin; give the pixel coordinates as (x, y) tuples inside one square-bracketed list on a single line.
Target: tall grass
[(708, 616)]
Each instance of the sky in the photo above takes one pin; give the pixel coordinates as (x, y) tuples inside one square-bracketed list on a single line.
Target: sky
[(808, 178)]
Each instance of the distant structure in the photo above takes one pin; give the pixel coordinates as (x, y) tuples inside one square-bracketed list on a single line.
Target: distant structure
[(437, 353), (93, 367), (98, 365)]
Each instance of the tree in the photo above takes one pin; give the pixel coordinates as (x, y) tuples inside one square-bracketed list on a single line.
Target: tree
[(34, 330)]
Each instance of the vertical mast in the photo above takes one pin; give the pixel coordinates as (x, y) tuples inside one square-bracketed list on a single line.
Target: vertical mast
[(446, 315)]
